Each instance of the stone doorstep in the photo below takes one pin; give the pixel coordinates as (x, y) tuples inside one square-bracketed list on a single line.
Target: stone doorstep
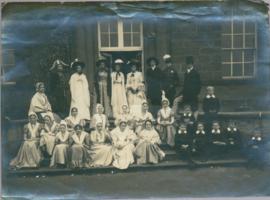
[(134, 167)]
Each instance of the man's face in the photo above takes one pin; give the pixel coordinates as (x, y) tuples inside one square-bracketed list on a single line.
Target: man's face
[(102, 65), (183, 128), (210, 91), (59, 68), (100, 110)]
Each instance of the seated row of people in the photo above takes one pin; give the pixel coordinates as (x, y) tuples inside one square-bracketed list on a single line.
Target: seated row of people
[(77, 148)]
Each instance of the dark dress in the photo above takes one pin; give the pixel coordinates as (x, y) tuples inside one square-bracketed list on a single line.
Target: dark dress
[(200, 143), (191, 89), (234, 139), (170, 83), (218, 143), (183, 143), (256, 150), (211, 107), (154, 79), (189, 120), (59, 92)]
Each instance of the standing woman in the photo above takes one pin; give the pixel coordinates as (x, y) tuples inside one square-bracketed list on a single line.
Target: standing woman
[(48, 133), (80, 95), (60, 152), (118, 88), (29, 154), (103, 85), (123, 140), (100, 150), (147, 149), (39, 102), (79, 144), (134, 86)]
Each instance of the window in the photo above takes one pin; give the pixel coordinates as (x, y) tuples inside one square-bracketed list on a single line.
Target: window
[(120, 35), (239, 47), (8, 63)]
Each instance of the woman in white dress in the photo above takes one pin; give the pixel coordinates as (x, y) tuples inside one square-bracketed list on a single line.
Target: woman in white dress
[(79, 144), (100, 150), (142, 117), (39, 102), (61, 150), (165, 122), (118, 89), (80, 95), (123, 140), (29, 154), (126, 115), (74, 119), (147, 149), (135, 93), (100, 117), (48, 134)]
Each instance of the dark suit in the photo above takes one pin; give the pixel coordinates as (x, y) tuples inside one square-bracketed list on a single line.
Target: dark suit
[(191, 88), (211, 107), (154, 79), (170, 82)]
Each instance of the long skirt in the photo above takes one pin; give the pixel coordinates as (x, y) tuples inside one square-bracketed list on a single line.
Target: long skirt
[(146, 152), (100, 155), (60, 155), (28, 155), (167, 134), (122, 158), (78, 156), (49, 141)]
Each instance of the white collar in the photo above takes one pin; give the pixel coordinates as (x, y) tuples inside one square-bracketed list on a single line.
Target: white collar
[(189, 70), (154, 67), (202, 132), (187, 114), (256, 138), (208, 96), (229, 129), (216, 131), (181, 132)]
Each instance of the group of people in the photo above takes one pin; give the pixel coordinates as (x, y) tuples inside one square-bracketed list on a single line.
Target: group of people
[(76, 141)]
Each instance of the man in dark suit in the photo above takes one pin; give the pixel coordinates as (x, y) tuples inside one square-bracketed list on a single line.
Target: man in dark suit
[(154, 78), (171, 80), (192, 86)]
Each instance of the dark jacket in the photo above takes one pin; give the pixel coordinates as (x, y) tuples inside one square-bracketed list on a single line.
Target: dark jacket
[(211, 105), (154, 79), (192, 85)]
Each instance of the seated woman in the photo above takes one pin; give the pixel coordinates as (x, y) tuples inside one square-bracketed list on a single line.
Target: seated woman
[(142, 117), (147, 149), (48, 133), (123, 145), (165, 122), (100, 117), (100, 150), (79, 144), (127, 116), (74, 119), (60, 155), (29, 154)]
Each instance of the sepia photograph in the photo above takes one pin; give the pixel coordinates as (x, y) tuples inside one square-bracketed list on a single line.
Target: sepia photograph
[(135, 100)]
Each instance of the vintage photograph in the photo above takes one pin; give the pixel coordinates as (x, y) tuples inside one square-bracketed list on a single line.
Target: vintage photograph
[(122, 100)]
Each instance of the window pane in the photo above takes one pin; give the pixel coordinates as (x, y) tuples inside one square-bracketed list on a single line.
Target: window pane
[(237, 69), (113, 27), (226, 41), (136, 39), (226, 56), (226, 69), (237, 56), (136, 27), (249, 27), (249, 69), (104, 38), (227, 27), (250, 41), (127, 39), (127, 27), (238, 41), (237, 27), (114, 39), (249, 55), (104, 27)]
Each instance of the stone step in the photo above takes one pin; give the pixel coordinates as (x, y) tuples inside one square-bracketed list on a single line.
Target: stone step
[(45, 171)]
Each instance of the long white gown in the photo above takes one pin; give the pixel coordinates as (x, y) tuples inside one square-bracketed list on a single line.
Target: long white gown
[(29, 154), (61, 150), (80, 95), (123, 147), (118, 93), (135, 96)]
